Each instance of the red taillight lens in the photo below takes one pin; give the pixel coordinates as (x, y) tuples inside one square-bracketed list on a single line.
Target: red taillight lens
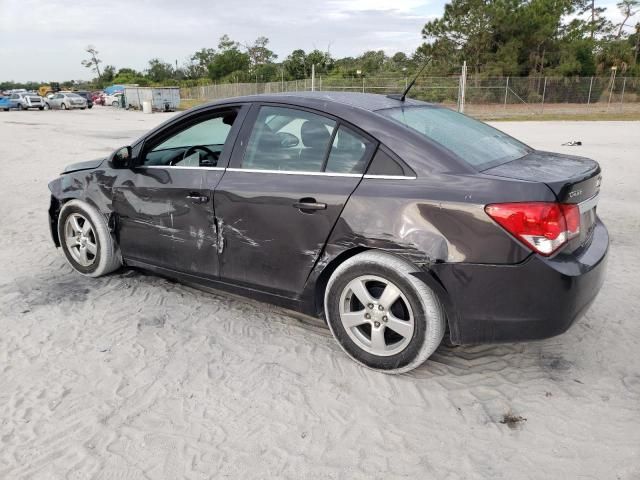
[(542, 226)]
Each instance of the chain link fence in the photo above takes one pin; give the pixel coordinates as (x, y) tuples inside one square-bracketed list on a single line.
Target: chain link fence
[(489, 97)]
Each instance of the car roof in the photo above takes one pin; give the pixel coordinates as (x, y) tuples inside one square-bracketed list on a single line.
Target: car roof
[(364, 101)]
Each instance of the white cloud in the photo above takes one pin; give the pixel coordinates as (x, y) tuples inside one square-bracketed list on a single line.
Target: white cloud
[(45, 39)]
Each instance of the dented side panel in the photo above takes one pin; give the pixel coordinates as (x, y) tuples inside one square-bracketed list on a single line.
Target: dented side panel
[(160, 224), (268, 242)]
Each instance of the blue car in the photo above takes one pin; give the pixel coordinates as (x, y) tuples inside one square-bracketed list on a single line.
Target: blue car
[(5, 104)]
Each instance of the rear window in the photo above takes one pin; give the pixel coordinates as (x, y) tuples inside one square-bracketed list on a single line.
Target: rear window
[(475, 142)]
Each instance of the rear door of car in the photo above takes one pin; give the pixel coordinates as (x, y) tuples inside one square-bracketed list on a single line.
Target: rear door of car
[(164, 203), (291, 173)]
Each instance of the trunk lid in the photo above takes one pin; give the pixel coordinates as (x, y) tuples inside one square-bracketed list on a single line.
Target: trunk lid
[(572, 179)]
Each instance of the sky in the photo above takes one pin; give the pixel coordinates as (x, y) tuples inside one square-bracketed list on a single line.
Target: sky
[(44, 40)]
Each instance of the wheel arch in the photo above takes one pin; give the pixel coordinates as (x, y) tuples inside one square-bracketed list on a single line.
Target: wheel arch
[(425, 274), (56, 204)]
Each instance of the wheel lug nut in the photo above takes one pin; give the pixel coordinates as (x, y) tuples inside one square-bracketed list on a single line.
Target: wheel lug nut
[(367, 316), (380, 307), (370, 305), (376, 324), (384, 319)]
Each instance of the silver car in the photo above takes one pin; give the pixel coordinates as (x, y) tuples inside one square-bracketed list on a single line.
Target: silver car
[(66, 101), (26, 100)]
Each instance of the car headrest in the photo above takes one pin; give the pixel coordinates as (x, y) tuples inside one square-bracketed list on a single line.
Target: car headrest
[(314, 134)]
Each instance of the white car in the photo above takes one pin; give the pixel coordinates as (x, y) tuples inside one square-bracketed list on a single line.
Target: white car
[(114, 99)]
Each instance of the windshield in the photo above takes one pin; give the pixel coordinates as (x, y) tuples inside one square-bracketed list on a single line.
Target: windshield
[(475, 142)]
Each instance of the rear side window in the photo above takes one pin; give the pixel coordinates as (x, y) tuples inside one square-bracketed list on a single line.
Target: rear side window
[(349, 152), (288, 139), (475, 142)]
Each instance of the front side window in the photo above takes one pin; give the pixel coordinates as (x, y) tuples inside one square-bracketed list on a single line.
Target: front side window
[(289, 140), (197, 145), (474, 142)]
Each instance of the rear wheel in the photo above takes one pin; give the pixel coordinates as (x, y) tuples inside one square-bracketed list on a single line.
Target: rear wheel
[(86, 241), (383, 316), (20, 107), (114, 104)]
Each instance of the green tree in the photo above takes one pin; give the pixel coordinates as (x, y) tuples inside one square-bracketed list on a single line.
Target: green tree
[(108, 73), (322, 61), (159, 71), (296, 65), (259, 54), (93, 62), (198, 66), (628, 8), (229, 60)]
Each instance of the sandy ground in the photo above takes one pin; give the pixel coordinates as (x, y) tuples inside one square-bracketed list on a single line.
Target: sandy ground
[(135, 377)]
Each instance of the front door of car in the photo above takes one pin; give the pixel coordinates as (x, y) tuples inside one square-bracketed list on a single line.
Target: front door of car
[(164, 203), (291, 174)]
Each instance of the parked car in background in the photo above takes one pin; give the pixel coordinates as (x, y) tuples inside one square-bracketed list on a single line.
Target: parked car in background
[(113, 99), (97, 98), (26, 100), (5, 103), (391, 218), (66, 101), (87, 96)]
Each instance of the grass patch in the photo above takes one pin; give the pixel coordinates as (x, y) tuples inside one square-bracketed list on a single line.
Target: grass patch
[(577, 117)]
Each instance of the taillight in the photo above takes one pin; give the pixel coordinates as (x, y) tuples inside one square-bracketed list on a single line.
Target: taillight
[(542, 226)]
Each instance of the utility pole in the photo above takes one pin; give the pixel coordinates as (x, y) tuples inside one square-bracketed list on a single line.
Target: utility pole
[(313, 77), (635, 55)]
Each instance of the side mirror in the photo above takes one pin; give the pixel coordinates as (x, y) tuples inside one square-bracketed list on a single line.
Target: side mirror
[(121, 158)]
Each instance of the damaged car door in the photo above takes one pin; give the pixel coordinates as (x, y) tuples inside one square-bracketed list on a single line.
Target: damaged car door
[(291, 174), (164, 202)]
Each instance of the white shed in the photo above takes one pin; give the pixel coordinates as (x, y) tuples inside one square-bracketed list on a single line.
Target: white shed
[(164, 99)]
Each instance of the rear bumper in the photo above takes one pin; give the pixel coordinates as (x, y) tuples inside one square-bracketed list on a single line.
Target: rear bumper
[(536, 299)]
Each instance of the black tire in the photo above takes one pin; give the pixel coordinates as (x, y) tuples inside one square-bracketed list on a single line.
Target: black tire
[(63, 106), (428, 315), (90, 107), (82, 108), (20, 107), (107, 257), (115, 104), (40, 108)]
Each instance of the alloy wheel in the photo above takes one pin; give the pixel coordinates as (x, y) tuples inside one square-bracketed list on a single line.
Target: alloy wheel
[(376, 315), (80, 239)]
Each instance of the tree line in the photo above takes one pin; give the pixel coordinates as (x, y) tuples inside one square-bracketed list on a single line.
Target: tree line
[(494, 37)]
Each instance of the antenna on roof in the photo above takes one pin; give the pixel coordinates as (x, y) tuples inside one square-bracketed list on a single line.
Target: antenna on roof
[(402, 96)]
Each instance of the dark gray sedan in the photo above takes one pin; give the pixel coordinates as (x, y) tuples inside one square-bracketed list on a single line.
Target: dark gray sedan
[(394, 220)]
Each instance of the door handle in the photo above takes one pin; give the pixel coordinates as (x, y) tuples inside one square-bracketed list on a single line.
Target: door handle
[(309, 204), (197, 198)]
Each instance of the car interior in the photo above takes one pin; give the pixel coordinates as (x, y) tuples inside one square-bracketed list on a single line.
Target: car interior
[(300, 142), (198, 145)]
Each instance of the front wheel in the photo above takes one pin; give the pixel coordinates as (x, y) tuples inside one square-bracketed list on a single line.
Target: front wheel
[(115, 104), (86, 240), (63, 106), (383, 316), (20, 107)]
